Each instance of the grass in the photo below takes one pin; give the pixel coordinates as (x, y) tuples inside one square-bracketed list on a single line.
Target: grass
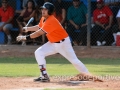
[(20, 67)]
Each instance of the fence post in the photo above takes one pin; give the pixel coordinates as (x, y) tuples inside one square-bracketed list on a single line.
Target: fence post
[(89, 23)]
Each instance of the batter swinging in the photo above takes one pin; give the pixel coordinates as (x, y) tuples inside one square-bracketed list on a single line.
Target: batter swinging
[(58, 42)]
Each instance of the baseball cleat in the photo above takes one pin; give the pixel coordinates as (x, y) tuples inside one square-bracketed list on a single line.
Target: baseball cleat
[(41, 79)]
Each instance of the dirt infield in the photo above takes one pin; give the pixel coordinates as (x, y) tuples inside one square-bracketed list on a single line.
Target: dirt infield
[(81, 51), (26, 83)]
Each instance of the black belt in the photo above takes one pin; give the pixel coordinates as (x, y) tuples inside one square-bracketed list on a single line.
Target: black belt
[(60, 41)]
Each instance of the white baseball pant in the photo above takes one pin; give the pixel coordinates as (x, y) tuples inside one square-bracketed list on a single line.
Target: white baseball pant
[(65, 49)]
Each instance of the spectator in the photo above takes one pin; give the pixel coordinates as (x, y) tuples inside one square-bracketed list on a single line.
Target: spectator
[(77, 17), (116, 28), (102, 17), (25, 15), (6, 15), (60, 12), (24, 3)]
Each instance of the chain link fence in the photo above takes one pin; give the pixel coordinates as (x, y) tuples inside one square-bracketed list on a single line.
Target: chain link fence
[(73, 15)]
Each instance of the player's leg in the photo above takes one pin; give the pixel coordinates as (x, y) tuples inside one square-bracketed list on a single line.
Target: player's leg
[(40, 54), (67, 51)]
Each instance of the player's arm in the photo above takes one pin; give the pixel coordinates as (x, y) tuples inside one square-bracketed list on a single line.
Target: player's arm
[(32, 28), (33, 35), (110, 22), (37, 33)]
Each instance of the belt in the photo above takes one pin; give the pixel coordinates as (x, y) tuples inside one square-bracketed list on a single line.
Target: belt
[(60, 41)]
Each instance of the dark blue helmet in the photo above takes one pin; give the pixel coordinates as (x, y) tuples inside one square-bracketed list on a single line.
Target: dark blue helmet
[(49, 6)]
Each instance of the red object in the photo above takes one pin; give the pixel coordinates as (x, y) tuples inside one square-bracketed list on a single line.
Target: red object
[(102, 15), (5, 15), (117, 40)]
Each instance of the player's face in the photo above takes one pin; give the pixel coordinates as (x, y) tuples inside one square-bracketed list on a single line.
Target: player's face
[(45, 12), (76, 3), (99, 5), (4, 3), (30, 4)]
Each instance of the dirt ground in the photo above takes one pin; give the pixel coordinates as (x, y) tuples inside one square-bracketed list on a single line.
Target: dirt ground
[(26, 83)]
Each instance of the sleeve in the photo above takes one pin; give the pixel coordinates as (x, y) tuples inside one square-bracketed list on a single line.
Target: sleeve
[(118, 14), (109, 11), (40, 23), (84, 9), (69, 17), (47, 26)]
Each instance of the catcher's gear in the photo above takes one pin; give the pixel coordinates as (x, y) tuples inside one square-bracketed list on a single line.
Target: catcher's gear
[(49, 6), (21, 38)]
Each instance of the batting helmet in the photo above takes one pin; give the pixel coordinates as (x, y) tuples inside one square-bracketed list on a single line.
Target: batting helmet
[(49, 6)]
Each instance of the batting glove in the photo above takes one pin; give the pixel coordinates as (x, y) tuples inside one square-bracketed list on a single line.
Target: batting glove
[(21, 38), (25, 29)]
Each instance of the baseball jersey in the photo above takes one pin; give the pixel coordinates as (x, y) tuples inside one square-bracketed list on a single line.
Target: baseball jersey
[(5, 15), (102, 15), (54, 30)]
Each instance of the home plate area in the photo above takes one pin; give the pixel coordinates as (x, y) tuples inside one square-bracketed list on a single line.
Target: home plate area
[(78, 82)]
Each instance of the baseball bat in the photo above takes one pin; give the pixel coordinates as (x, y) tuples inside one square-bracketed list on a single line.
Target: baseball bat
[(31, 20)]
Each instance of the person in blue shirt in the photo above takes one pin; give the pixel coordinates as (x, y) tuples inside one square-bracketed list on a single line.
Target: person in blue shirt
[(77, 20)]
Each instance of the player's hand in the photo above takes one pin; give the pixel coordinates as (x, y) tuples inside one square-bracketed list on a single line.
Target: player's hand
[(24, 29), (21, 38)]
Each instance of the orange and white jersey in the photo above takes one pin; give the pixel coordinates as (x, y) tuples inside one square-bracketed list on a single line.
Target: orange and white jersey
[(54, 30)]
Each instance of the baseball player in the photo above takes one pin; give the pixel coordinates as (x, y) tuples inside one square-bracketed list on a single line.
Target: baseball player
[(58, 42)]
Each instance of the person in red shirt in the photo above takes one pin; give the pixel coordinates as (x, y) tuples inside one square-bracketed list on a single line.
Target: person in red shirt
[(6, 15), (102, 17), (58, 42)]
